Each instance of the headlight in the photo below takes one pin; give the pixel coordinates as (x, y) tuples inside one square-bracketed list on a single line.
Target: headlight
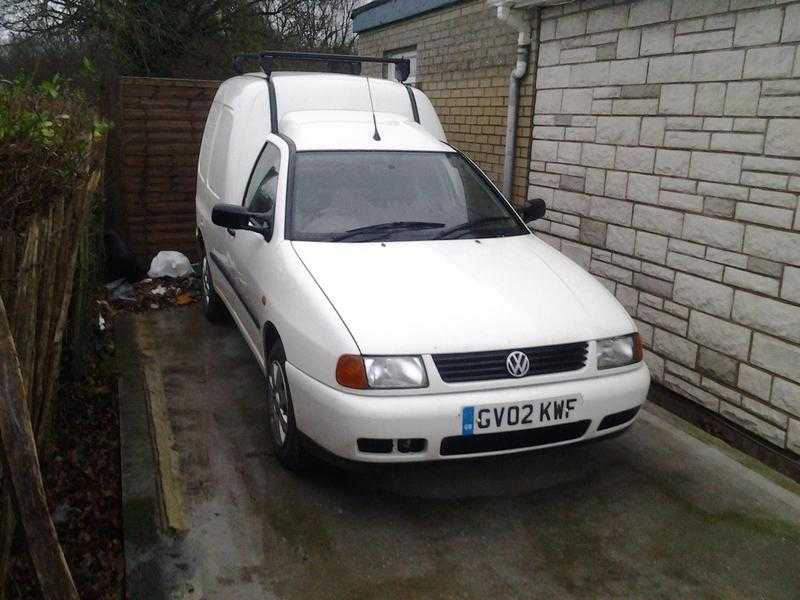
[(381, 372), (619, 351), (395, 372)]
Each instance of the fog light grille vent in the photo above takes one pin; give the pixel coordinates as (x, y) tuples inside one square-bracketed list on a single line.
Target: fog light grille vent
[(375, 445)]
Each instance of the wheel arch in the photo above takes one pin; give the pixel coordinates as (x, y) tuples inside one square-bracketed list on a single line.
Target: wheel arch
[(270, 336), (198, 238)]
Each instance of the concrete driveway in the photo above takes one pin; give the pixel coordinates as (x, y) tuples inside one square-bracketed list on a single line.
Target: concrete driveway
[(655, 513)]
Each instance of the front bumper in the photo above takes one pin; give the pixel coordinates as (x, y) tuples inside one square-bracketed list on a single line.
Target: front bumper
[(335, 419)]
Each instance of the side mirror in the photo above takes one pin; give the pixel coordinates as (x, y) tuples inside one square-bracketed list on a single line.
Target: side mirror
[(533, 209), (235, 217)]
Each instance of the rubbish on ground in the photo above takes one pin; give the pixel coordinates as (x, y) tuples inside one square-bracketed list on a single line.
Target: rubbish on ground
[(115, 284), (169, 263), (149, 294), (172, 282), (123, 293)]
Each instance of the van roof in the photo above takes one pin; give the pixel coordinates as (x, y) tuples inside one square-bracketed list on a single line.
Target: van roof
[(327, 111)]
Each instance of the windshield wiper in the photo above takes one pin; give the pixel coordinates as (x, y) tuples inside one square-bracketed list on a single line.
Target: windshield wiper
[(387, 228), (470, 225)]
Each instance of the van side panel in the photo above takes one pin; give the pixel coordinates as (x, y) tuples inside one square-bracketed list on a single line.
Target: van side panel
[(207, 142), (249, 134), (220, 155), (202, 199), (236, 128)]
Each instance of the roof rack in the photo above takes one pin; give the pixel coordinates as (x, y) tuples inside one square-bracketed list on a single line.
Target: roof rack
[(266, 58)]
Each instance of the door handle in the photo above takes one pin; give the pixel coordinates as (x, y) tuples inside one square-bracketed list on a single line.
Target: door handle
[(231, 232)]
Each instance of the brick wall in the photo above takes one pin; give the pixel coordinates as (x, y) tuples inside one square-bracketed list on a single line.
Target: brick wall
[(464, 58), (160, 124), (667, 147)]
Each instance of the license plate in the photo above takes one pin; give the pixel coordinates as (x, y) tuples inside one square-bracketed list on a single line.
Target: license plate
[(522, 415)]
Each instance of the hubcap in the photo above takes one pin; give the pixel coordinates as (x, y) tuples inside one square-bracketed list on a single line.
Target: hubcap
[(278, 398)]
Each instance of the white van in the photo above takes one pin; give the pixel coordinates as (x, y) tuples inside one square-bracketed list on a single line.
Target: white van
[(400, 308)]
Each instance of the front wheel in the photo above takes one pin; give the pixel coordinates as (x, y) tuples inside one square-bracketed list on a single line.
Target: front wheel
[(286, 439)]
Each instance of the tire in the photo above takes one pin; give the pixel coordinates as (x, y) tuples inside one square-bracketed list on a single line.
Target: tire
[(213, 307), (286, 439)]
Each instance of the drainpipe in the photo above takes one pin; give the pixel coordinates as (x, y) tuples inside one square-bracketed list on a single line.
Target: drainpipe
[(516, 19)]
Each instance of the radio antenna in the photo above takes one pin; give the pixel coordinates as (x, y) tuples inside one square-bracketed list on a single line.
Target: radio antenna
[(375, 136)]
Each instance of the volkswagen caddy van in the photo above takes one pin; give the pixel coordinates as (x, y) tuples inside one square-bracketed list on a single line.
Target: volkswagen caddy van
[(399, 306)]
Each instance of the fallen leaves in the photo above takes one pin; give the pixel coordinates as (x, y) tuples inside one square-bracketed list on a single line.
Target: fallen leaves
[(184, 299)]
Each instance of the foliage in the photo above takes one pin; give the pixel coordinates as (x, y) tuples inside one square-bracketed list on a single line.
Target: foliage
[(321, 25), (45, 131), (165, 38)]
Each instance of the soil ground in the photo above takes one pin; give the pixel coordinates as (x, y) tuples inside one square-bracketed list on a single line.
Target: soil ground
[(82, 479)]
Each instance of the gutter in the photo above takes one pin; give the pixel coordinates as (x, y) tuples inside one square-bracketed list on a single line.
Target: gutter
[(379, 13), (518, 20)]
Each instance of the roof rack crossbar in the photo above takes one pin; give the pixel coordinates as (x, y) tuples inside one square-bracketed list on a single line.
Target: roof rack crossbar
[(266, 59)]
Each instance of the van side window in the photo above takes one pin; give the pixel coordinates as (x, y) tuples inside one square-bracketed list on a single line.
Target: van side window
[(262, 188), (219, 155)]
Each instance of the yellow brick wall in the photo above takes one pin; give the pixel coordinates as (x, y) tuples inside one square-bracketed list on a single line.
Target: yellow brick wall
[(464, 59)]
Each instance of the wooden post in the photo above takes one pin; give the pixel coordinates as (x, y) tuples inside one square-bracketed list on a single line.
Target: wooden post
[(19, 445), (77, 215)]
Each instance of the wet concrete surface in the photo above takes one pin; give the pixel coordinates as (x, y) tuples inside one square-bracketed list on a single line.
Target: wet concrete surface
[(655, 513)]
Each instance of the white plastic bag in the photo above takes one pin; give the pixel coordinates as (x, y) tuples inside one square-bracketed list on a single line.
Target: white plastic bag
[(169, 263)]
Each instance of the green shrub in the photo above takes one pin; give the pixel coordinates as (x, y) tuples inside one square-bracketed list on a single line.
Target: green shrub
[(45, 131)]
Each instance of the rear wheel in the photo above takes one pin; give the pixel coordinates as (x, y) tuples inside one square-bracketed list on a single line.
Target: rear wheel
[(286, 439), (213, 307)]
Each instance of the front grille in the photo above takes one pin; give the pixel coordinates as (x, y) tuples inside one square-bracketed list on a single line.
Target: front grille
[(483, 366), (512, 440)]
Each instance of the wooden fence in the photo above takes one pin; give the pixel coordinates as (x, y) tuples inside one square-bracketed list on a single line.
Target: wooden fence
[(38, 261), (161, 125)]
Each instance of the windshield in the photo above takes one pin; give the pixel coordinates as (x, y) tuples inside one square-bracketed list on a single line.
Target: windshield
[(374, 195)]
